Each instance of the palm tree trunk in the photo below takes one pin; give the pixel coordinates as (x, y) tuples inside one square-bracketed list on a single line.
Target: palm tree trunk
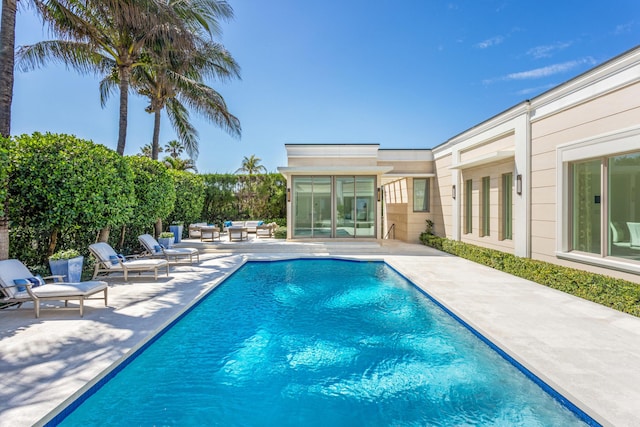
[(124, 100), (7, 57), (155, 144)]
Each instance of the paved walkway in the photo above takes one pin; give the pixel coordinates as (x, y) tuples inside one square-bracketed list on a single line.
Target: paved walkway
[(589, 353)]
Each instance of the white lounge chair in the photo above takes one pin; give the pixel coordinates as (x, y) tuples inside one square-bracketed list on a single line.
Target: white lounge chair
[(155, 250), (18, 286), (108, 262), (634, 234)]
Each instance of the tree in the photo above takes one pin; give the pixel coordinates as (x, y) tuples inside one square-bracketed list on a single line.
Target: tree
[(7, 57), (176, 163), (107, 37), (145, 151), (251, 165), (173, 81), (174, 148)]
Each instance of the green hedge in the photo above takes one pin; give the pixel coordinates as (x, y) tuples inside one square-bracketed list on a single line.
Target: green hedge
[(618, 294)]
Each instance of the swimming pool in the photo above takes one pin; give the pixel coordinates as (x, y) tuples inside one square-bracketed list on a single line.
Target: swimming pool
[(318, 342)]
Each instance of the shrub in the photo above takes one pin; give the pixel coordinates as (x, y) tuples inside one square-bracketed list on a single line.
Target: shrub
[(189, 198), (64, 185), (618, 294)]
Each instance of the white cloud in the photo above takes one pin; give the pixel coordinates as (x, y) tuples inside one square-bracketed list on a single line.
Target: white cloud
[(623, 28), (490, 42), (547, 71), (548, 50)]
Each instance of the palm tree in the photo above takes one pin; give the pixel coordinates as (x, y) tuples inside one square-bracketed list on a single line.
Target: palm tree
[(251, 165), (177, 84), (174, 148), (180, 164), (7, 42), (7, 57), (145, 150), (106, 36)]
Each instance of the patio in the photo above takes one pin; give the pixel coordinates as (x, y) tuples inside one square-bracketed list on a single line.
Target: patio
[(587, 352)]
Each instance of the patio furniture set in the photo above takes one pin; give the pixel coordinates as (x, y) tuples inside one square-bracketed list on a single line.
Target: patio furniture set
[(19, 285), (236, 230)]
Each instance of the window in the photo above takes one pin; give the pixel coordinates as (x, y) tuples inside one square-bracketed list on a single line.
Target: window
[(485, 210), (507, 206), (624, 206), (421, 194), (468, 206), (604, 195)]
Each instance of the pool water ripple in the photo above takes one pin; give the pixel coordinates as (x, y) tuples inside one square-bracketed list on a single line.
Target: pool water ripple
[(319, 342)]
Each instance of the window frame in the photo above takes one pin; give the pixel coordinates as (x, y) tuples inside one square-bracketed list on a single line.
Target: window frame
[(427, 195)]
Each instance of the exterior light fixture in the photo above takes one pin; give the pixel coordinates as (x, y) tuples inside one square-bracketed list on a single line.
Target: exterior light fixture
[(288, 194), (379, 193), (519, 184), (453, 191)]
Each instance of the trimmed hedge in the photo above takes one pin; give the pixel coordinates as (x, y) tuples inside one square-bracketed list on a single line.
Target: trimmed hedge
[(618, 294)]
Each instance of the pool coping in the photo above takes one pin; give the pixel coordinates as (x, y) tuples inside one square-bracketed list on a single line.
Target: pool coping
[(465, 288)]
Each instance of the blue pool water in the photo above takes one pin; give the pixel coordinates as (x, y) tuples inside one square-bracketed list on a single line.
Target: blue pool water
[(319, 342)]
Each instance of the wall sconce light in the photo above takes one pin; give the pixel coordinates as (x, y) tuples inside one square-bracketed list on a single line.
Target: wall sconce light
[(519, 184), (453, 191), (379, 193), (288, 194)]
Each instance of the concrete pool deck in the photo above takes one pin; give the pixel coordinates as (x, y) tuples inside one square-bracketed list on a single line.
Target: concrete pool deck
[(587, 352)]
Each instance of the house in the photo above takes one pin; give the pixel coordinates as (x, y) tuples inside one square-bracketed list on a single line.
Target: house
[(554, 178)]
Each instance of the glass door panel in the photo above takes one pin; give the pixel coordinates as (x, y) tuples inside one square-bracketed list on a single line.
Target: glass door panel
[(586, 206), (345, 207), (624, 206), (321, 213), (365, 207), (302, 204)]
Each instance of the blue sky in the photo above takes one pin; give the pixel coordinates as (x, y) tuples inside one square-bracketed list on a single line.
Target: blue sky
[(402, 74)]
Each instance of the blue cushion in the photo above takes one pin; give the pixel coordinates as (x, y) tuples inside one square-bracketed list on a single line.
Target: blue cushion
[(20, 284), (228, 223), (260, 222), (157, 248), (34, 281), (114, 259)]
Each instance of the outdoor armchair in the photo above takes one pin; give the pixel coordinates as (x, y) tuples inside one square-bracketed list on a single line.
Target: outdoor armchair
[(108, 262), (18, 285), (156, 250)]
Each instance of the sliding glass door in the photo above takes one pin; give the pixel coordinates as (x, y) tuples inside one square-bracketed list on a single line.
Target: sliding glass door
[(334, 207)]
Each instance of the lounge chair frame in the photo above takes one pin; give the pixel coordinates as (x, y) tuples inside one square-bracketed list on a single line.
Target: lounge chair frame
[(148, 243), (133, 264), (13, 269)]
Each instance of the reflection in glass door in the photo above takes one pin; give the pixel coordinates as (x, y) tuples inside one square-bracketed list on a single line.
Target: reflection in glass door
[(345, 207), (312, 206), (365, 207), (325, 206)]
